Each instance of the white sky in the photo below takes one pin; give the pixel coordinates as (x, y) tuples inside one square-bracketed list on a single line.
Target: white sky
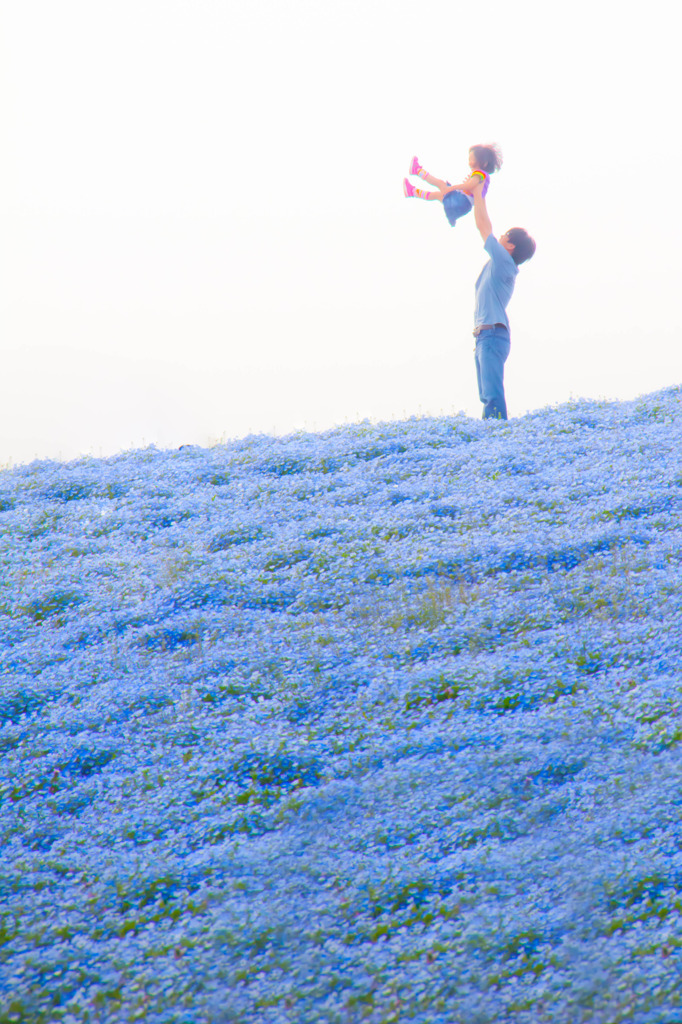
[(203, 231)]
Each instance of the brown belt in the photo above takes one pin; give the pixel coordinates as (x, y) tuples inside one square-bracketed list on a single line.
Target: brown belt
[(488, 327)]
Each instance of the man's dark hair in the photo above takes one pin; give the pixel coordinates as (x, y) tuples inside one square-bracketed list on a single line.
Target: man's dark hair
[(488, 157), (524, 245)]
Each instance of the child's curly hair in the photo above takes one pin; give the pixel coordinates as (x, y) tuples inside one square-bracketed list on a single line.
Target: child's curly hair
[(488, 157)]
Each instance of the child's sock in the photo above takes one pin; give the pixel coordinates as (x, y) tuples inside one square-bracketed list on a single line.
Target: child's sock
[(416, 168)]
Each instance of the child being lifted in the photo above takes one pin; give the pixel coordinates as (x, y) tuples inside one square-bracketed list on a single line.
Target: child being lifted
[(457, 200)]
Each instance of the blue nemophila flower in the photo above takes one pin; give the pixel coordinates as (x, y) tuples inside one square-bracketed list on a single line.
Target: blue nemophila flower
[(376, 724)]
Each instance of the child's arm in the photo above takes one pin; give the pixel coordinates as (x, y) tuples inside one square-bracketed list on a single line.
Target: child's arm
[(476, 178), (468, 185)]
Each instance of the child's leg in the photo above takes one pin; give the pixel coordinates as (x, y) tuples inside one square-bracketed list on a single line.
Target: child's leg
[(416, 168), (442, 185), (419, 193)]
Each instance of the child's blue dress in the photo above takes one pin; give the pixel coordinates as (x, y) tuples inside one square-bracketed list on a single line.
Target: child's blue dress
[(457, 203)]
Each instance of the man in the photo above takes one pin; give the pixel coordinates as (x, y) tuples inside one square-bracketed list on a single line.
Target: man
[(494, 289)]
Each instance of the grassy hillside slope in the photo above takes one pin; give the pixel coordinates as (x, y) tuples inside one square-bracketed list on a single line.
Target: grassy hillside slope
[(381, 725)]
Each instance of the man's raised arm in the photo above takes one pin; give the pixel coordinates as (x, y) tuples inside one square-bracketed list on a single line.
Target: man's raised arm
[(481, 213)]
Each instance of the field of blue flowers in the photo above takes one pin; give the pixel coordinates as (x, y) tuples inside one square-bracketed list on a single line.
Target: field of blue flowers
[(381, 724)]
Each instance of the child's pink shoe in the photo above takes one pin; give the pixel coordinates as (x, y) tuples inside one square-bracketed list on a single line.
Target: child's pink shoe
[(408, 189), (415, 167)]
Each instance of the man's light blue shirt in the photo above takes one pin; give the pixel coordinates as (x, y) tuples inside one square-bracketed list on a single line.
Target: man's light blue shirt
[(495, 285)]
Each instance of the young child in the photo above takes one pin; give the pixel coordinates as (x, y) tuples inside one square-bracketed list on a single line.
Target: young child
[(457, 199)]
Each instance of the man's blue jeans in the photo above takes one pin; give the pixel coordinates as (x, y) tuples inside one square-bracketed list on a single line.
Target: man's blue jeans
[(492, 349)]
